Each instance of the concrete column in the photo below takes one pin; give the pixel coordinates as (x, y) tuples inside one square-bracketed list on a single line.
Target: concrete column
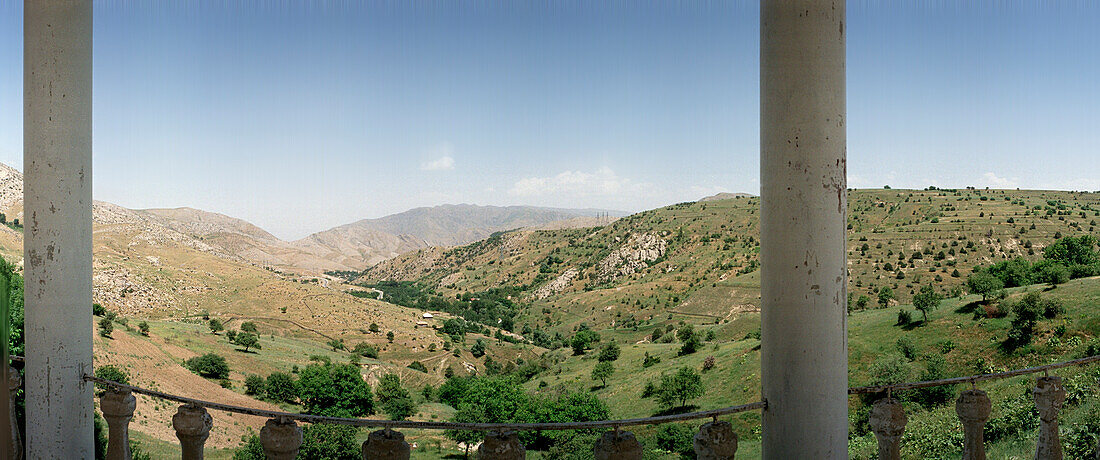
[(973, 408), (715, 441), (118, 409), (617, 445), (888, 421), (57, 241), (386, 444), (281, 439), (1049, 397), (803, 188), (192, 424), (501, 446)]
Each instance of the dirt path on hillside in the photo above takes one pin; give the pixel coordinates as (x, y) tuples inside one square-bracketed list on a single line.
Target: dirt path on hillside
[(153, 364)]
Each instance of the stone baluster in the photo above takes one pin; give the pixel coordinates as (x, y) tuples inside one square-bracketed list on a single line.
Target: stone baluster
[(715, 441), (386, 444), (15, 381), (617, 445), (118, 407), (888, 422), (1049, 397), (973, 408), (501, 446), (281, 438), (192, 424)]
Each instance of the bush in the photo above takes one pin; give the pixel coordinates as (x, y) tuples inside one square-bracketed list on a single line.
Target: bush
[(106, 327), (112, 373), (254, 385), (478, 350), (907, 348), (282, 387), (335, 390), (609, 352), (418, 366), (650, 360), (210, 365), (393, 398), (143, 327), (365, 350), (904, 318), (677, 439), (708, 363), (215, 325), (248, 326), (98, 310)]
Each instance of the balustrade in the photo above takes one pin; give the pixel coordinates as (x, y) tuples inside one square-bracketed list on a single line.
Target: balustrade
[(281, 436)]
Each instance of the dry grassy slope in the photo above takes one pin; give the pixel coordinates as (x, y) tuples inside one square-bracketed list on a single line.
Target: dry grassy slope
[(702, 274)]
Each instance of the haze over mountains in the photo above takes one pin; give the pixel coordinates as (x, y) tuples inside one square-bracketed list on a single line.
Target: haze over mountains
[(354, 246)]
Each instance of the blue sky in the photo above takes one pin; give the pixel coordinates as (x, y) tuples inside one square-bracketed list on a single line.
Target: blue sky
[(299, 118)]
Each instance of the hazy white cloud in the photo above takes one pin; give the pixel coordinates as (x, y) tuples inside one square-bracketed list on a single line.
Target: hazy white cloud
[(991, 180), (444, 159), (602, 182)]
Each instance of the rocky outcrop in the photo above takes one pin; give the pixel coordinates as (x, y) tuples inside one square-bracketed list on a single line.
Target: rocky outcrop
[(633, 256), (557, 285)]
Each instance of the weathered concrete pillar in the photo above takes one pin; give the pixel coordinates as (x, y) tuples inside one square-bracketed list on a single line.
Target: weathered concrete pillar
[(14, 382), (118, 407), (973, 408), (192, 424), (501, 446), (57, 239), (281, 439), (888, 422), (386, 444), (617, 445), (803, 189), (1049, 397), (715, 441)]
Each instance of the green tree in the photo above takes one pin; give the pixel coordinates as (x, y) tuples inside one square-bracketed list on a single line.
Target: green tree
[(394, 399), (1068, 251), (676, 438), (689, 338), (583, 340), (390, 336), (885, 295), (1053, 273), (215, 325), (478, 350), (1027, 312), (983, 283), (677, 389), (336, 390), (862, 301), (210, 365), (365, 350), (336, 344), (467, 413), (374, 328), (609, 352), (603, 371), (248, 326), (106, 327), (112, 373), (330, 442), (248, 340), (282, 387), (253, 385), (927, 300), (143, 327)]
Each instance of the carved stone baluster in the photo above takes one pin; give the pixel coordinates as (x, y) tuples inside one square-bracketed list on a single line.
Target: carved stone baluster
[(618, 445), (15, 381), (888, 422), (715, 441), (281, 438), (386, 444), (192, 424), (1049, 397), (973, 408), (501, 446), (118, 407)]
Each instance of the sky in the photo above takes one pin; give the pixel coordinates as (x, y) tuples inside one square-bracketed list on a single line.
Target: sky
[(300, 116)]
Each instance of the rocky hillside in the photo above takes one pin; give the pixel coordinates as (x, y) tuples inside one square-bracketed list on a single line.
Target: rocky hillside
[(700, 259)]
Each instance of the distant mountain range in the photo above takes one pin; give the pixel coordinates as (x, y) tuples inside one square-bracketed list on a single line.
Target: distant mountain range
[(354, 246)]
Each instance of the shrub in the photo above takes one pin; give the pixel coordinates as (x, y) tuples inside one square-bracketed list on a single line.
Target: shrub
[(418, 366), (708, 363), (210, 365), (98, 310), (609, 352), (650, 360), (112, 373), (254, 385), (904, 317), (106, 327), (248, 326), (478, 350), (281, 386), (215, 325), (365, 350), (676, 438), (907, 348), (143, 327)]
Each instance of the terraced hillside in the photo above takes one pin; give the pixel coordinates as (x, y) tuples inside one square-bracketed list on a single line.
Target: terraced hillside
[(699, 260)]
